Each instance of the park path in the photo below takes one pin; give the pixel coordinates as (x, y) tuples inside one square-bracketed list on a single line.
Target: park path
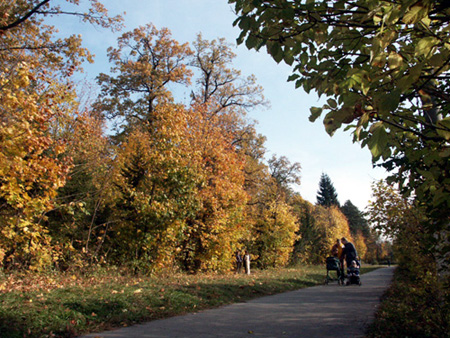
[(315, 312)]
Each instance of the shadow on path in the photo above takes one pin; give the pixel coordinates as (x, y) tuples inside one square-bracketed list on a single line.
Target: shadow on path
[(320, 311)]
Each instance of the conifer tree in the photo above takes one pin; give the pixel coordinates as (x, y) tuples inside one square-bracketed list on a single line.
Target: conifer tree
[(326, 195), (356, 219)]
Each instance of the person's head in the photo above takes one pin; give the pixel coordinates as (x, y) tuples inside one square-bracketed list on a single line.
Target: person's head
[(344, 240), (338, 241), (354, 265)]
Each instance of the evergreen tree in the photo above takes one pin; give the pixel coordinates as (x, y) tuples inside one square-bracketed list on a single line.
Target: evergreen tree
[(356, 220), (326, 195)]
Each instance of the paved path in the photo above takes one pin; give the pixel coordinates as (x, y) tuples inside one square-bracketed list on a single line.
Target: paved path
[(316, 312)]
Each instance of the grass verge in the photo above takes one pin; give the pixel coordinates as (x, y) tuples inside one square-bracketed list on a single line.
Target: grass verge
[(66, 305)]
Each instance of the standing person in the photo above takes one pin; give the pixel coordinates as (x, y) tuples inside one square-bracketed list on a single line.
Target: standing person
[(349, 252), (336, 251), (238, 261), (247, 262), (337, 248)]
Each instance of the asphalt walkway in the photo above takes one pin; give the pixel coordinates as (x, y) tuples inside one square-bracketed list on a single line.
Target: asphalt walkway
[(316, 312)]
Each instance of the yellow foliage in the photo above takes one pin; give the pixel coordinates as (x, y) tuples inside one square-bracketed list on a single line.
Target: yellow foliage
[(32, 167), (278, 228), (360, 244)]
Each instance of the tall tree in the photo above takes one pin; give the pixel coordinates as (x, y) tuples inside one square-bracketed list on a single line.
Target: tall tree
[(326, 195), (144, 63), (155, 178), (213, 231), (218, 83)]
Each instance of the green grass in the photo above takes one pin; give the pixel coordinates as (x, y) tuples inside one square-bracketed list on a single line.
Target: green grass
[(66, 305)]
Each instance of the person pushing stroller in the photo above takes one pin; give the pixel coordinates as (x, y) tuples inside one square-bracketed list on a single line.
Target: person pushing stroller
[(349, 252), (350, 255)]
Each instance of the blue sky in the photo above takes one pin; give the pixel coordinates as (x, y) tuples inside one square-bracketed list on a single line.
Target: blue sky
[(285, 124)]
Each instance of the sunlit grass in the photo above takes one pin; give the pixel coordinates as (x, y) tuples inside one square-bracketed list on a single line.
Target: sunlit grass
[(65, 305)]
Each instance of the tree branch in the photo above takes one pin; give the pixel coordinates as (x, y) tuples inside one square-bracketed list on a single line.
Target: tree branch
[(25, 17)]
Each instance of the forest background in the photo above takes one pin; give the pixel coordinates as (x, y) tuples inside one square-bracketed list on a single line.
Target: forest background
[(172, 185)]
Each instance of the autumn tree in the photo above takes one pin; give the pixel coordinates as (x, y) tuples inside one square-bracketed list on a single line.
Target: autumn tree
[(30, 167), (318, 229), (34, 160), (155, 179), (145, 62), (223, 96), (383, 67), (275, 227), (24, 33), (327, 195), (284, 173), (401, 220), (212, 233), (79, 222), (220, 84)]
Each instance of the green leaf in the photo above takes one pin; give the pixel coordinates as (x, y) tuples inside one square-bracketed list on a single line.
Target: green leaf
[(293, 77), (445, 153), (395, 60), (377, 142), (437, 60), (335, 118), (388, 102), (426, 45), (251, 42), (315, 113), (274, 49), (289, 57), (332, 103), (444, 128), (414, 15), (244, 23)]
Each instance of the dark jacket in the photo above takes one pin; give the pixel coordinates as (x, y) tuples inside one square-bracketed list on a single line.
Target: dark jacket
[(349, 253)]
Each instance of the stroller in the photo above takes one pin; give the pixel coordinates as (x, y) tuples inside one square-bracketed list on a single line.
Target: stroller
[(353, 274), (333, 264)]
